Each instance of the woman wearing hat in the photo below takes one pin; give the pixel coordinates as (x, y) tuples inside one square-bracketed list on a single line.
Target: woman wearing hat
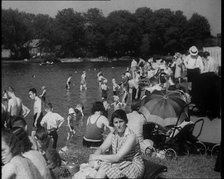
[(193, 63)]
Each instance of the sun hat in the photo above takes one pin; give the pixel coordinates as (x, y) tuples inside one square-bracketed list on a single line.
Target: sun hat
[(193, 50), (71, 111)]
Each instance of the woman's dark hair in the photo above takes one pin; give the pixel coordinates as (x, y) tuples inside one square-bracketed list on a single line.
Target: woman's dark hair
[(98, 106), (19, 122), (41, 133), (135, 105), (121, 114), (21, 134), (12, 141), (33, 90), (53, 156), (42, 136)]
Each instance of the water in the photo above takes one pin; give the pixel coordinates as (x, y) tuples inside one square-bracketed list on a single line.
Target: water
[(25, 76)]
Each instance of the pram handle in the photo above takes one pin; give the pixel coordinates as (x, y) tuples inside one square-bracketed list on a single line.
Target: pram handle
[(199, 120)]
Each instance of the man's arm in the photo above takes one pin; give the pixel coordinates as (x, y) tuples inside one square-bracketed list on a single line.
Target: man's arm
[(60, 120), (38, 106), (9, 108), (25, 110)]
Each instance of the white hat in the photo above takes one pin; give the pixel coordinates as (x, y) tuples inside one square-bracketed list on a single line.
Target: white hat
[(71, 111), (193, 50)]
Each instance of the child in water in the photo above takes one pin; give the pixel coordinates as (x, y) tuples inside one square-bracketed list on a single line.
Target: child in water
[(104, 89), (116, 87), (68, 82), (83, 81), (43, 94)]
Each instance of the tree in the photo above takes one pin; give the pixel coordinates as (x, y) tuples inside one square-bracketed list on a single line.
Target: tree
[(124, 35), (69, 30), (197, 30), (95, 32)]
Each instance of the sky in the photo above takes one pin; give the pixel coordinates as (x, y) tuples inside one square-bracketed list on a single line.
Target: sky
[(211, 9)]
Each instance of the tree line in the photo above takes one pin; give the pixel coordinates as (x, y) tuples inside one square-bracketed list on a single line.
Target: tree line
[(91, 34)]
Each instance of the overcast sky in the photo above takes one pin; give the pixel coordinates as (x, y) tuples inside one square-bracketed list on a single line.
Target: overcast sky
[(211, 9)]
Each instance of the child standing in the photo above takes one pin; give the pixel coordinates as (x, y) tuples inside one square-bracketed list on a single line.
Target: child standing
[(79, 116), (43, 94), (104, 89), (71, 122), (117, 104), (83, 81), (68, 82), (53, 121), (116, 87)]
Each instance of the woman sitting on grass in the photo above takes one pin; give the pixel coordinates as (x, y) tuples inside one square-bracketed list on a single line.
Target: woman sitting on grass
[(125, 160), (15, 165), (35, 157)]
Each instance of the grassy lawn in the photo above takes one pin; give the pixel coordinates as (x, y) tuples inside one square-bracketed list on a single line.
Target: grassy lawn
[(192, 166)]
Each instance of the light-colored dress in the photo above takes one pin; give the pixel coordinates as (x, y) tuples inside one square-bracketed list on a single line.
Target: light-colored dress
[(131, 166), (178, 68), (22, 168)]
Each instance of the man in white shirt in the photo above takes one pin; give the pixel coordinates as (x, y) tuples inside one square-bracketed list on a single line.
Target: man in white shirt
[(53, 121), (194, 64)]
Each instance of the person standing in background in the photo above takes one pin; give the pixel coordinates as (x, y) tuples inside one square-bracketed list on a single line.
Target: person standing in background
[(37, 110), (43, 94), (193, 63), (68, 82), (83, 81)]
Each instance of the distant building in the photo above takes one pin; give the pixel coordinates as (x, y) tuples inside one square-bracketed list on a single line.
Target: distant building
[(37, 47), (6, 53)]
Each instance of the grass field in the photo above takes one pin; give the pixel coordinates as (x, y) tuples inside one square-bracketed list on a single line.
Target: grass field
[(192, 166)]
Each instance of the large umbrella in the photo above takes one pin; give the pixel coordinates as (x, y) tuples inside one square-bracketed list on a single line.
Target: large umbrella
[(164, 107)]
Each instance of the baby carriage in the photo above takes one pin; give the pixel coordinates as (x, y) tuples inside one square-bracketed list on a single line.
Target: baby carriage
[(174, 137)]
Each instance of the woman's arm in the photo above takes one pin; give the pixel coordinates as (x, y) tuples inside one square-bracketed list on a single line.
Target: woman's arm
[(112, 158), (8, 171), (105, 145)]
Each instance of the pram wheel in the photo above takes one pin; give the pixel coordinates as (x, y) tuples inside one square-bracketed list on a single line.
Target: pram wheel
[(200, 148), (215, 150), (170, 154)]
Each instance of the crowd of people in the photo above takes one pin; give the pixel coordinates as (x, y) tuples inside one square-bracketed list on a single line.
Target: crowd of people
[(118, 138)]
